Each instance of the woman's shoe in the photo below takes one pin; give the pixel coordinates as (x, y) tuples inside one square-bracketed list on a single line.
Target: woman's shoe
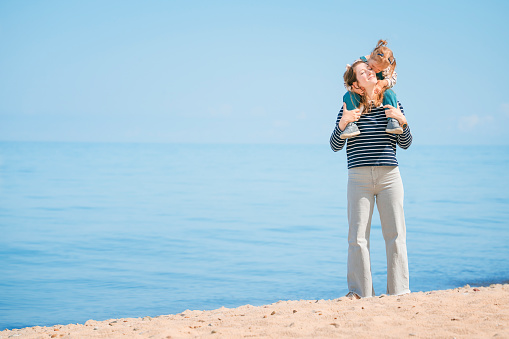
[(352, 295), (351, 130), (393, 126)]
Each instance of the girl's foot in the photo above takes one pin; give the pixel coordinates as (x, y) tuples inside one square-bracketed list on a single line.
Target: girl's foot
[(351, 130), (393, 126)]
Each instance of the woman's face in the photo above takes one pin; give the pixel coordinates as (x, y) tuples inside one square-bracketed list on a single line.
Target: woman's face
[(366, 77)]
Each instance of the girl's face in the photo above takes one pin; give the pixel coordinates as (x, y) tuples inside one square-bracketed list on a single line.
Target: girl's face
[(375, 66), (366, 77)]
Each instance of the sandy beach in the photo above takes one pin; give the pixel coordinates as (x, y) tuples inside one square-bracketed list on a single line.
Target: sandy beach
[(466, 312)]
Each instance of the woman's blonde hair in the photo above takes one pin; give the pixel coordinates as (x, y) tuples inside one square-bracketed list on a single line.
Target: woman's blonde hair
[(350, 77), (383, 56)]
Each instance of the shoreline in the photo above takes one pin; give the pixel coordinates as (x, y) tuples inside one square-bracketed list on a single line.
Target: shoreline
[(461, 312)]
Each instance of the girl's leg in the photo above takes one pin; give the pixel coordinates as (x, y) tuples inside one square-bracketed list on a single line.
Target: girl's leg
[(389, 200), (360, 209), (390, 98), (393, 126), (352, 101)]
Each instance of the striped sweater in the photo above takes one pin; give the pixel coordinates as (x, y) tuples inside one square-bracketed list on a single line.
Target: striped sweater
[(373, 147)]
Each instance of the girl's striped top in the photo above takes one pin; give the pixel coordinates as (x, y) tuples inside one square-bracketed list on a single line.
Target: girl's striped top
[(374, 146)]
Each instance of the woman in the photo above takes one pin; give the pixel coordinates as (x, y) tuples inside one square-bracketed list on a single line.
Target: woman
[(373, 175)]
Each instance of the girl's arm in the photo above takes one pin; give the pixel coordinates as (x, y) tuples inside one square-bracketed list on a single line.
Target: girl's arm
[(388, 81), (391, 81)]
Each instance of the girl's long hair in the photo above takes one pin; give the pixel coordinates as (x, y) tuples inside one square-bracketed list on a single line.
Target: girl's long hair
[(365, 103)]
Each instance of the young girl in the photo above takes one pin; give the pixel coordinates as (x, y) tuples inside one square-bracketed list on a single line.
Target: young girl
[(382, 61)]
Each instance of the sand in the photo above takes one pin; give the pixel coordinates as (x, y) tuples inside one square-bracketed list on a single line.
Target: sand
[(465, 312)]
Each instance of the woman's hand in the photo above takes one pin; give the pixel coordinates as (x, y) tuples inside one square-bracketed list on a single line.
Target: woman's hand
[(357, 89), (395, 113), (348, 116)]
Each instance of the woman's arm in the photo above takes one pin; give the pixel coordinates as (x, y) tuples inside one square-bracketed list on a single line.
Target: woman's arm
[(396, 113), (336, 143)]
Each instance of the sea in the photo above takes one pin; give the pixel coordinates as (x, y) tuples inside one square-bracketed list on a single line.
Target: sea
[(114, 230)]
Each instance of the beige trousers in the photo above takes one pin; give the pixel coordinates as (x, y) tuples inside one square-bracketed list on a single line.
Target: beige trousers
[(383, 185)]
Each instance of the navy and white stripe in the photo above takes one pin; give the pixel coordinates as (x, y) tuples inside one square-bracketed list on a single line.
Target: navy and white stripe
[(374, 146)]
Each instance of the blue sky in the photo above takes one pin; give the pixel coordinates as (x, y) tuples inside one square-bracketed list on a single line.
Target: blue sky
[(244, 71)]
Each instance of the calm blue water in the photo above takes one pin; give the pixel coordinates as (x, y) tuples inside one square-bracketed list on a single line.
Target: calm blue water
[(127, 230)]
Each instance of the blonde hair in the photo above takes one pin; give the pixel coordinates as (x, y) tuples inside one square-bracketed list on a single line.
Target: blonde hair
[(383, 56), (350, 77)]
